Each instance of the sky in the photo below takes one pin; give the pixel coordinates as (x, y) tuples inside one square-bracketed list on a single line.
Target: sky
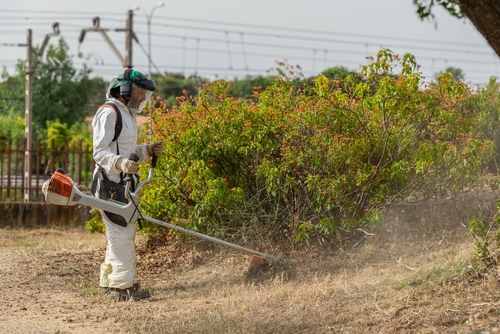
[(234, 38)]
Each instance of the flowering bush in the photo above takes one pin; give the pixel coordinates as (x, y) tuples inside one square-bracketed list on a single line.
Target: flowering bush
[(309, 160)]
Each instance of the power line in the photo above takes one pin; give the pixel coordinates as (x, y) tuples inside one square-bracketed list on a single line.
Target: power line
[(51, 12), (324, 40), (319, 32), (308, 49), (267, 36), (333, 51), (311, 39), (340, 61), (225, 24)]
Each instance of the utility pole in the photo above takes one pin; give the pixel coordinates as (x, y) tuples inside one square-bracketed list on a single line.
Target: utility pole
[(30, 69), (129, 35), (27, 121), (128, 40), (148, 19)]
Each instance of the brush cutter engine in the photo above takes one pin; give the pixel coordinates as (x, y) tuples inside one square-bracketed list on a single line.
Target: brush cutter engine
[(60, 189)]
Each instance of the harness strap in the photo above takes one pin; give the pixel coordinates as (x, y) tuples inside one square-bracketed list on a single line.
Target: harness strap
[(118, 130)]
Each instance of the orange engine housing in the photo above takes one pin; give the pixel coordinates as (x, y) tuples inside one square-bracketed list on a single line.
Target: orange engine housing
[(61, 183)]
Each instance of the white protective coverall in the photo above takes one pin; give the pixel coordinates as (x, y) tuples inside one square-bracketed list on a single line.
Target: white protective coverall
[(119, 267)]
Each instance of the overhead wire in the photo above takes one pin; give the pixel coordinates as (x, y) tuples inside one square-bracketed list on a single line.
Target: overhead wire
[(309, 38), (197, 50), (338, 41), (47, 16), (147, 54), (255, 26), (284, 46), (319, 32)]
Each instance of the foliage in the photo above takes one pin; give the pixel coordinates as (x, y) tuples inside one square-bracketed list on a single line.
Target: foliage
[(59, 92), (12, 126), (248, 86), (487, 102), (308, 160), (457, 73), (95, 224), (486, 243), (79, 133), (57, 134), (172, 85), (425, 8), (337, 72)]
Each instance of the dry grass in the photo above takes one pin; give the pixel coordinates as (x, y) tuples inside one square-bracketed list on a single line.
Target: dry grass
[(49, 239), (409, 278)]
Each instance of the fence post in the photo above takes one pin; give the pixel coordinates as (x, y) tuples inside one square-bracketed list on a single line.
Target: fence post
[(2, 151), (80, 147), (52, 156), (23, 167), (9, 166), (38, 154), (66, 165)]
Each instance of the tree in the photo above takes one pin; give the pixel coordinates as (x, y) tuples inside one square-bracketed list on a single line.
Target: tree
[(457, 73), (425, 7), (59, 91), (173, 85), (337, 72), (484, 15), (245, 88)]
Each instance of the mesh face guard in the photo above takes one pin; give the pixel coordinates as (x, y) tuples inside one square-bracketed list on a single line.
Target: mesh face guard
[(138, 98)]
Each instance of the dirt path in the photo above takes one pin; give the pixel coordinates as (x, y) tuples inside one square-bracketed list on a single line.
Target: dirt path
[(408, 278)]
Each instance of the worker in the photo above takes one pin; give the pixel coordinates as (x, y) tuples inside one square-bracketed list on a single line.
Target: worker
[(114, 139)]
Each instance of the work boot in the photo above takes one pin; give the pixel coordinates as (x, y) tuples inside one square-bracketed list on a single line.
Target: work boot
[(128, 294), (106, 290)]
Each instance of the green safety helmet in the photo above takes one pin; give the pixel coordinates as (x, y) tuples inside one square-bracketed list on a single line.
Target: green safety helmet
[(129, 77)]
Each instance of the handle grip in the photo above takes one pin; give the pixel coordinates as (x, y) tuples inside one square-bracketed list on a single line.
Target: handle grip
[(133, 157), (153, 161), (129, 177)]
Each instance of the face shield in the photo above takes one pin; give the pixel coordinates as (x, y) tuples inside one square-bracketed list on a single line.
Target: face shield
[(134, 88), (138, 99)]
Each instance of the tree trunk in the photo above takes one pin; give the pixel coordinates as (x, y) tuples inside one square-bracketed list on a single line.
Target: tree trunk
[(485, 15)]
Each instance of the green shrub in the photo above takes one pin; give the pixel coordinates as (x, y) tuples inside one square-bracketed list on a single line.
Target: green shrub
[(95, 224), (311, 160)]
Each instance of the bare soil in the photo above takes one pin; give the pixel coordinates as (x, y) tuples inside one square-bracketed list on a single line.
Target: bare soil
[(411, 276)]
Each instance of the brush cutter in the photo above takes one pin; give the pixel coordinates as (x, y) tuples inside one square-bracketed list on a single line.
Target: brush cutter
[(60, 189)]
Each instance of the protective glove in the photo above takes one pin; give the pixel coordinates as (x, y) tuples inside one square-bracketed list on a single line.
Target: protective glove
[(156, 148), (127, 166)]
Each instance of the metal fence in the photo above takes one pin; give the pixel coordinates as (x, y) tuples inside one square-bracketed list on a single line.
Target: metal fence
[(75, 159)]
